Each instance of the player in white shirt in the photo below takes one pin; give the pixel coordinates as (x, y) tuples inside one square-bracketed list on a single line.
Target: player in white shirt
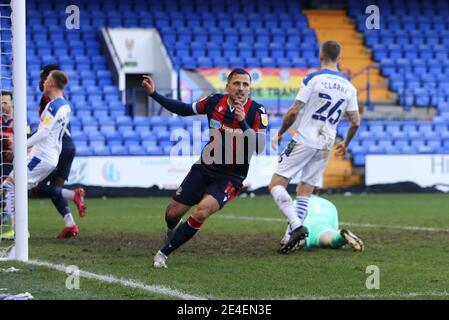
[(325, 96), (46, 143)]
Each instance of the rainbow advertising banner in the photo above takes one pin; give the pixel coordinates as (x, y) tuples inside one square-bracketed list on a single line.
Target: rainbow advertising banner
[(274, 88)]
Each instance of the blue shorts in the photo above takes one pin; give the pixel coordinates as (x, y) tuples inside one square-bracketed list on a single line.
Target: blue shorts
[(200, 182)]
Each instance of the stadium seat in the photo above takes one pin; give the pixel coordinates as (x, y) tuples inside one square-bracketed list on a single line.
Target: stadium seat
[(119, 151), (411, 49)]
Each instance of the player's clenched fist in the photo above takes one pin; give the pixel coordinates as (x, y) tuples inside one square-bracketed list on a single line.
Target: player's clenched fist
[(148, 84)]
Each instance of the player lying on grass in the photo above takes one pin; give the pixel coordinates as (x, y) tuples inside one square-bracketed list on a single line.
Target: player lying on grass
[(322, 223), (218, 176)]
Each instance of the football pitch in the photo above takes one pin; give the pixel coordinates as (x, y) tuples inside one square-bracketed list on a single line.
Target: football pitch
[(234, 255)]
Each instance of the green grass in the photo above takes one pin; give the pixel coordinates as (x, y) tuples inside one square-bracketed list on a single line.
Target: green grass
[(237, 259)]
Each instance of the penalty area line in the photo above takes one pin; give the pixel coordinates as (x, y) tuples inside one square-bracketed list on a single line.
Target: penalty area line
[(134, 284)]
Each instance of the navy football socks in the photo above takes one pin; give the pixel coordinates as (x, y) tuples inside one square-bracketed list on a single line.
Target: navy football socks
[(184, 233), (55, 193)]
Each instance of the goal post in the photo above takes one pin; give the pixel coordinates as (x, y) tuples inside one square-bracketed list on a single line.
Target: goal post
[(20, 128), (16, 48)]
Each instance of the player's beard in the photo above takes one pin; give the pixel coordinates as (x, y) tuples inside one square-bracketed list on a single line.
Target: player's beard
[(240, 98)]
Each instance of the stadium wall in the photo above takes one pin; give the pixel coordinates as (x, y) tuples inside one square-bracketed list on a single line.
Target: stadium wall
[(146, 172), (424, 170), (141, 176)]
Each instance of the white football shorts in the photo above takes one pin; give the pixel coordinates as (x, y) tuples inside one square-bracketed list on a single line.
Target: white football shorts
[(308, 161), (37, 171)]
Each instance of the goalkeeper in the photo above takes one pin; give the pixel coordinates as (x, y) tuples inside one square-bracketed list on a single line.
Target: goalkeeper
[(322, 223)]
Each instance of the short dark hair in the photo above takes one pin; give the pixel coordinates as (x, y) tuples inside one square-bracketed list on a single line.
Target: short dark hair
[(331, 50), (60, 78), (45, 71), (238, 71), (49, 68), (7, 93)]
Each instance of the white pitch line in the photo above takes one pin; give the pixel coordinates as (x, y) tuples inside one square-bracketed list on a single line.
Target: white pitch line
[(124, 282), (350, 224), (399, 227), (179, 294)]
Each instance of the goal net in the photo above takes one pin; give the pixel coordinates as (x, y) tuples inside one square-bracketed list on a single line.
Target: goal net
[(13, 153)]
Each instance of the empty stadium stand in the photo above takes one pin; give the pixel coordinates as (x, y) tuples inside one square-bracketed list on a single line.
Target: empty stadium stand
[(411, 50)]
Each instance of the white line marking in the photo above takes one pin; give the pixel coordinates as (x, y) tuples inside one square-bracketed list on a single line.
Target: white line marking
[(124, 282), (350, 224), (398, 227), (179, 294)]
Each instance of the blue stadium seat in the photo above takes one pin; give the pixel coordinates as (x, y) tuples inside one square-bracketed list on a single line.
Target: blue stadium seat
[(124, 121), (149, 143), (130, 135), (434, 142), (385, 143), (409, 127), (117, 150), (400, 143), (154, 151), (392, 150), (113, 137), (101, 151), (83, 151), (441, 127), (376, 150), (141, 121), (157, 121), (359, 160), (416, 143), (220, 62), (175, 120), (426, 149), (148, 136)]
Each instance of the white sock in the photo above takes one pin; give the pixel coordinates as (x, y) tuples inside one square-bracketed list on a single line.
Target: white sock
[(68, 194), (69, 222), (285, 204), (10, 200), (302, 205), (288, 231)]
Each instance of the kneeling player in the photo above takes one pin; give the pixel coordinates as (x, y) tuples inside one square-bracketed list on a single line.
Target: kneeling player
[(211, 184), (322, 223)]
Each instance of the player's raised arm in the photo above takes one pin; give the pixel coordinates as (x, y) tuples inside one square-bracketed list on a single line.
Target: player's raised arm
[(175, 106)]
